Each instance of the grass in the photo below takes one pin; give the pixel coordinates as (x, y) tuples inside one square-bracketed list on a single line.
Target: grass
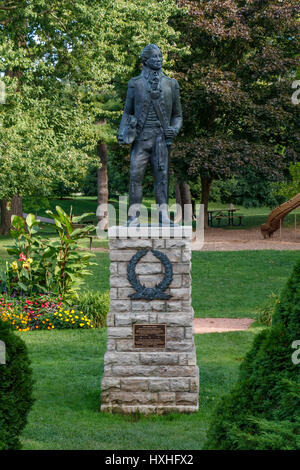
[(68, 366)]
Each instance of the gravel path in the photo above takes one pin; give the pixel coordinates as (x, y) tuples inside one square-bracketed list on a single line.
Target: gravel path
[(235, 240)]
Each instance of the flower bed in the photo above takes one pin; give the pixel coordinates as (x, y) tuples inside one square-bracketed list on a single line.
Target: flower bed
[(41, 313)]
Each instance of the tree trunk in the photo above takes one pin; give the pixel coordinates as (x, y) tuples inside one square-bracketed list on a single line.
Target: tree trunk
[(9, 207), (183, 197), (102, 186), (205, 183)]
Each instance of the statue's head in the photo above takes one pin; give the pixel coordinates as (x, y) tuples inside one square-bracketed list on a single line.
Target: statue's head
[(151, 56)]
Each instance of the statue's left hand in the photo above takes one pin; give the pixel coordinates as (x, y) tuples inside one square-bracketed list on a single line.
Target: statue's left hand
[(170, 133)]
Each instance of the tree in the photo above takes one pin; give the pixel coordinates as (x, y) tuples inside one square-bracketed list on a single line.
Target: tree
[(64, 71), (237, 81)]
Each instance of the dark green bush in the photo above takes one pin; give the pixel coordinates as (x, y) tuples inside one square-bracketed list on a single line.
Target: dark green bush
[(263, 409), (15, 389)]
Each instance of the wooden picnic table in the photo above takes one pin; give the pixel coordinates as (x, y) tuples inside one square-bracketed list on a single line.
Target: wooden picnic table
[(218, 214)]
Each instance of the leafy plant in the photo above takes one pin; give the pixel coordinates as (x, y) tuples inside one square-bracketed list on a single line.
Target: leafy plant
[(47, 266), (95, 306), (71, 265), (265, 314)]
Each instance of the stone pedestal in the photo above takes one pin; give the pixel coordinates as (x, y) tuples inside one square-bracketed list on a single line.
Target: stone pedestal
[(150, 380)]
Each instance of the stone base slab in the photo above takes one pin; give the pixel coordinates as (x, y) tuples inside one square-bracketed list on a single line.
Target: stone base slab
[(148, 409)]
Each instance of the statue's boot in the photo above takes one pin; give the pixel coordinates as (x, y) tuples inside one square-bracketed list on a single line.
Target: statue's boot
[(164, 219), (133, 222)]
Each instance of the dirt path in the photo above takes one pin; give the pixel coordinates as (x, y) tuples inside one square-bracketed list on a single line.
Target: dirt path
[(218, 239), (221, 325)]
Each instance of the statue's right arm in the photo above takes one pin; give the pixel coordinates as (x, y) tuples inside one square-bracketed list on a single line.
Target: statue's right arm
[(128, 110)]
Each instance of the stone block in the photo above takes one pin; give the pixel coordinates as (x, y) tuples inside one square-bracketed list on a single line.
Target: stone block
[(181, 268), (185, 345), (130, 243), (125, 292), (113, 293), (119, 281), (135, 385), (110, 319), (119, 332), (153, 358), (114, 268), (149, 268), (159, 385), (174, 319), (186, 255), (126, 255), (167, 398), (120, 305), (176, 281), (125, 319), (174, 306), (182, 293), (176, 243), (160, 243), (186, 398), (181, 384), (110, 383), (175, 333), (186, 280), (112, 358)]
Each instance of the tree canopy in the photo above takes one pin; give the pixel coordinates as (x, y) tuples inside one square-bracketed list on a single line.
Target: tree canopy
[(238, 84), (65, 65)]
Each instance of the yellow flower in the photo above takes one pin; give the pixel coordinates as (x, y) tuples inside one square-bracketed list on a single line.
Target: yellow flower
[(25, 265), (29, 260), (14, 265)]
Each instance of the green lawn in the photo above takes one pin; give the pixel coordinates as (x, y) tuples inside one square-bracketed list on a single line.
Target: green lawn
[(68, 366)]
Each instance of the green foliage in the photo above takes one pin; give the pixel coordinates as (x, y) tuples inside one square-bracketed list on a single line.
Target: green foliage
[(237, 82), (15, 389), (47, 266), (249, 191), (262, 410), (65, 70), (265, 314), (289, 189), (71, 265), (95, 305)]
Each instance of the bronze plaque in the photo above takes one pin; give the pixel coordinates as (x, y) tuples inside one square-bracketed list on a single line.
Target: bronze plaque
[(149, 336)]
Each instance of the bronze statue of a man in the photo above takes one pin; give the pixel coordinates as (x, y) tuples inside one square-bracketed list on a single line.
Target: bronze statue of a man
[(151, 119)]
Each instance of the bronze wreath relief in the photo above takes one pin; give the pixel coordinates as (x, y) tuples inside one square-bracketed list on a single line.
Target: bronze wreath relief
[(149, 293)]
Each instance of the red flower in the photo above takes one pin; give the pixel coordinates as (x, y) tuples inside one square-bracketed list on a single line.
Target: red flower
[(22, 257)]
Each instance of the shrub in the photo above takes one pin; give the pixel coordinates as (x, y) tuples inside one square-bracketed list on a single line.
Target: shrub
[(15, 389), (264, 315), (95, 305), (263, 409)]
